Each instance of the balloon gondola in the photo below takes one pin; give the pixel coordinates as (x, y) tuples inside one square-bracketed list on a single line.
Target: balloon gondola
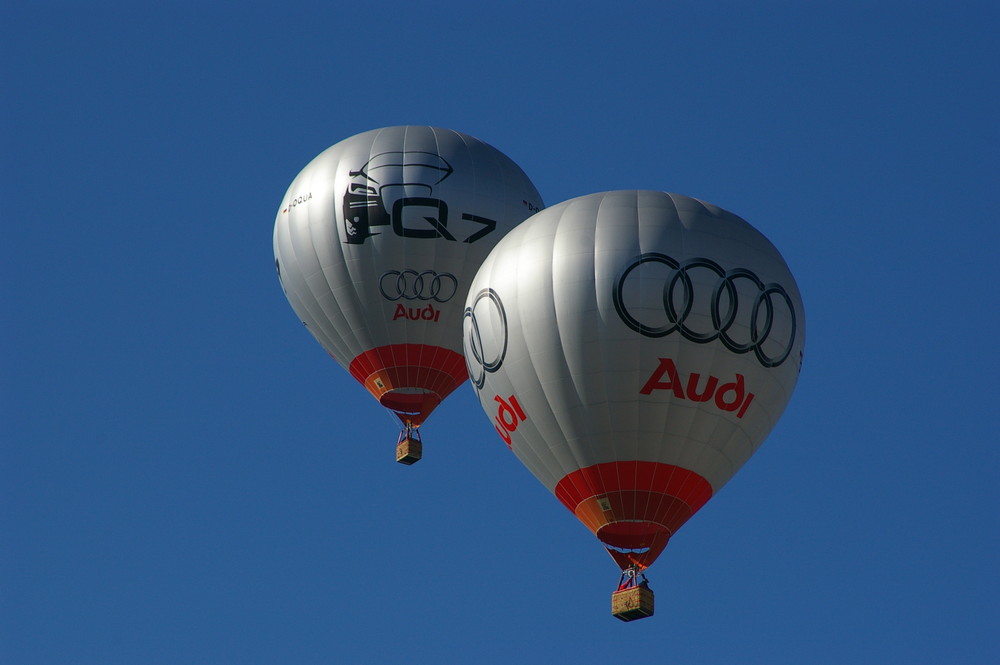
[(409, 447), (633, 350), (633, 599)]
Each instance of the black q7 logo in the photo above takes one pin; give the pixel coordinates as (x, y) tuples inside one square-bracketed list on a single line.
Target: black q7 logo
[(398, 177)]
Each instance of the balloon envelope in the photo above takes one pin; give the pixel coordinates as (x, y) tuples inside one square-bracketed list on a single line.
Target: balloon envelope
[(376, 242), (633, 349)]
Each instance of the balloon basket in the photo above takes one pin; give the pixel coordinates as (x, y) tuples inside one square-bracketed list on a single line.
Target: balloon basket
[(633, 599), (632, 604), (409, 449)]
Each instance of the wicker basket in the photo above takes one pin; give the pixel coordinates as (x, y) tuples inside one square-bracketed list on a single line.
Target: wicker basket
[(409, 450), (631, 604)]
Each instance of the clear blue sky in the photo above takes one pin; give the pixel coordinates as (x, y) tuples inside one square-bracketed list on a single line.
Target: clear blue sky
[(185, 477)]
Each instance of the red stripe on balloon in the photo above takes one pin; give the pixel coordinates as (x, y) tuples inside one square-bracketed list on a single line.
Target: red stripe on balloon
[(409, 379), (633, 507)]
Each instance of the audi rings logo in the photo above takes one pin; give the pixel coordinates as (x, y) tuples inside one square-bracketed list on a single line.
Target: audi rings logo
[(770, 338), (482, 358), (414, 285)]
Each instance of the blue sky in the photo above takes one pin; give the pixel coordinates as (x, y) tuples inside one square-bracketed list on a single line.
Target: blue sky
[(185, 477)]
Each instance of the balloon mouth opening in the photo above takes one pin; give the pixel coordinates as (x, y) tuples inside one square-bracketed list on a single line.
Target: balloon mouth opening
[(623, 550), (632, 536), (634, 543), (410, 402)]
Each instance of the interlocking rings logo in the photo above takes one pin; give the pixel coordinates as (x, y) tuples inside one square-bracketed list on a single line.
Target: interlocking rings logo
[(414, 285), (723, 307), (486, 360)]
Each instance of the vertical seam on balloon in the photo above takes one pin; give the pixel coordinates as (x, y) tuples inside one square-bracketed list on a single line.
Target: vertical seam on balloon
[(408, 243), (639, 434), (302, 285), (436, 352), (706, 451), (311, 227), (613, 439), (666, 408), (599, 477), (387, 337), (559, 469), (524, 317)]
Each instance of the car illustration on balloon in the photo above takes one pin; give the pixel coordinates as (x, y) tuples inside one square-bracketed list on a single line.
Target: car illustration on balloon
[(387, 183)]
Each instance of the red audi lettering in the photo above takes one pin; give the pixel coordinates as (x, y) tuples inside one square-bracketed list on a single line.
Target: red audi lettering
[(727, 397), (428, 313), (692, 388), (655, 381), (509, 416), (736, 388)]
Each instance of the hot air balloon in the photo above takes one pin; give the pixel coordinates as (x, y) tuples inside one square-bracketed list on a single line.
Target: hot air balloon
[(633, 349), (375, 243)]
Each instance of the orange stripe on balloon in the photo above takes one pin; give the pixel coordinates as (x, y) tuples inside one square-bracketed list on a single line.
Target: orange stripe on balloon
[(409, 379), (633, 507)]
